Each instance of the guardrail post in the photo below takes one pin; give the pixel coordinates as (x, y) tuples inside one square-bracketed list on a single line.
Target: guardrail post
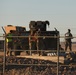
[(4, 60), (58, 54)]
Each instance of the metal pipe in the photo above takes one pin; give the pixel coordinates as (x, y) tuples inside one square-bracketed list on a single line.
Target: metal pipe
[(58, 55), (4, 60)]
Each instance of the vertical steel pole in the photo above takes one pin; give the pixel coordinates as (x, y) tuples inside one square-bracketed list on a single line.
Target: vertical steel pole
[(58, 54), (30, 44), (4, 60), (37, 41)]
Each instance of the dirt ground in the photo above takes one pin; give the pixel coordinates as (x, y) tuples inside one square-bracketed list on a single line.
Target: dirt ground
[(73, 46)]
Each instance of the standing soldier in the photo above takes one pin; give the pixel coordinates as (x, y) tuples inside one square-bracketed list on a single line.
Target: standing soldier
[(33, 40), (10, 41), (68, 42)]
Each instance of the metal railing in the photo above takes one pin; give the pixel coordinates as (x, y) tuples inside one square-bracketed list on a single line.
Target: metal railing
[(57, 51)]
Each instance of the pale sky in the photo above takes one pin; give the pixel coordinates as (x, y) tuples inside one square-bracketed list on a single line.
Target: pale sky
[(60, 13)]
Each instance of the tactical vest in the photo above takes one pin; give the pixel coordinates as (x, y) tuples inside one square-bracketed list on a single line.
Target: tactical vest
[(9, 39)]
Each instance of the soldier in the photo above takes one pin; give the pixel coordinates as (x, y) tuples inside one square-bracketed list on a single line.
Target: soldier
[(68, 42), (9, 41), (33, 41)]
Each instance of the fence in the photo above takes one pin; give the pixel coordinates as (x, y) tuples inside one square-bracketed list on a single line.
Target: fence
[(56, 57)]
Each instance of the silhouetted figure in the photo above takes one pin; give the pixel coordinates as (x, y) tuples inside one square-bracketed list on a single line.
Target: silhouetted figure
[(9, 39), (68, 42), (33, 40)]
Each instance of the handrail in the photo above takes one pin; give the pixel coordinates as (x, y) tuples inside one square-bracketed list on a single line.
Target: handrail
[(57, 51)]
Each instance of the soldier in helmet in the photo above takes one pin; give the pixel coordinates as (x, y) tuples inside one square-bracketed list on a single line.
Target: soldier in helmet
[(68, 42)]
